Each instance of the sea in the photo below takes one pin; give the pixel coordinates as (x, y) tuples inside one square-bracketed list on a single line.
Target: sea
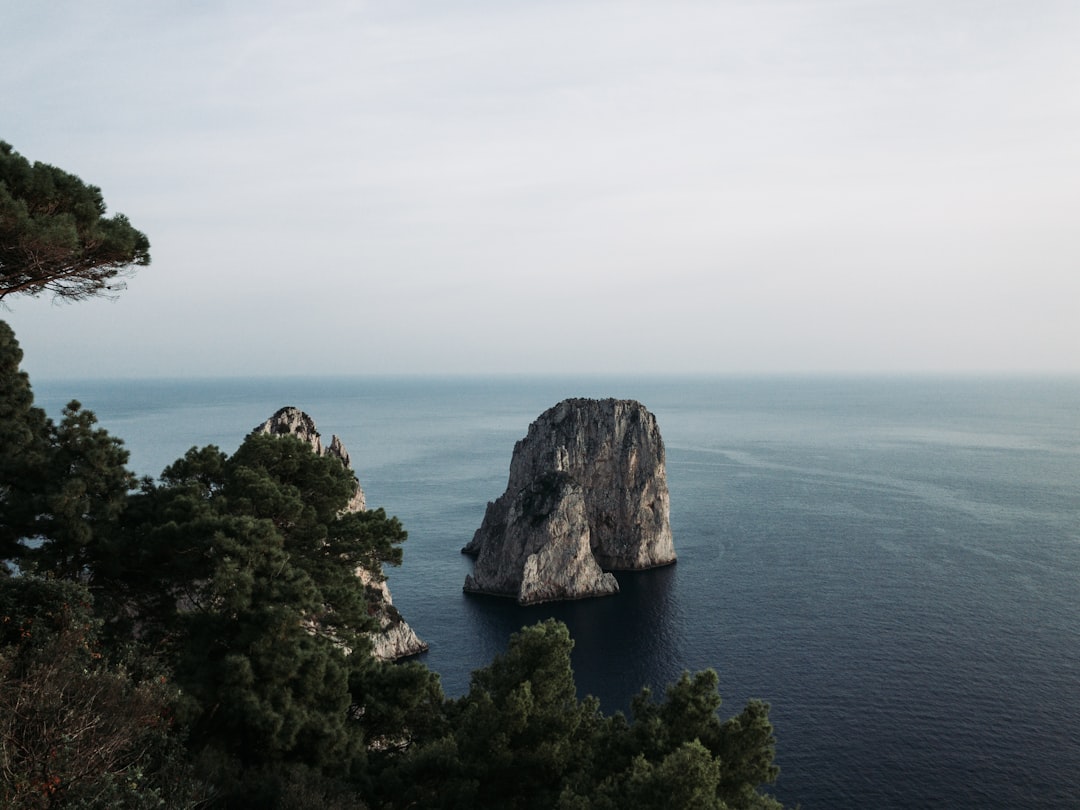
[(892, 563)]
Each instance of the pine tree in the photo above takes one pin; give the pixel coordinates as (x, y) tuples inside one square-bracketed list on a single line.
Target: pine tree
[(55, 237), (243, 570), (24, 451), (62, 486), (85, 490)]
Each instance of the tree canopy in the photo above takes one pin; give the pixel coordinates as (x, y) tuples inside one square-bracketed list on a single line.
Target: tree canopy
[(522, 740), (54, 236), (61, 485), (242, 570)]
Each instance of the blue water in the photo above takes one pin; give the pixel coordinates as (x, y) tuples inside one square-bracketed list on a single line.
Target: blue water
[(892, 563)]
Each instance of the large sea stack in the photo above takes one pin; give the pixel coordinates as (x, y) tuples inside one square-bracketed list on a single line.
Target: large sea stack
[(395, 639), (587, 495)]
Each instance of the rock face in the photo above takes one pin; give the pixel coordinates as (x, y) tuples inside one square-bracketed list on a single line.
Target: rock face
[(395, 638), (587, 494)]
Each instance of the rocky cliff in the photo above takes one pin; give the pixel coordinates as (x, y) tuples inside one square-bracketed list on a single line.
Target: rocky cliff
[(395, 638), (587, 494)]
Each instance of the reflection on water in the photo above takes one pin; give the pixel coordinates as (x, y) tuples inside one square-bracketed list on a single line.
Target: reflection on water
[(638, 628)]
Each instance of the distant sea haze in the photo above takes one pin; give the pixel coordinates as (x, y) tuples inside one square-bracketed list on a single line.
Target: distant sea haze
[(892, 563)]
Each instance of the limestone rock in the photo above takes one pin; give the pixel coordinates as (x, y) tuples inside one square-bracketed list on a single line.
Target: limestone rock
[(289, 421), (395, 638), (587, 493), (545, 553)]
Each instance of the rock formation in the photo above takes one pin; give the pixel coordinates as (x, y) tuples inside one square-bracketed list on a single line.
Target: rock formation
[(587, 494), (395, 638), (290, 421)]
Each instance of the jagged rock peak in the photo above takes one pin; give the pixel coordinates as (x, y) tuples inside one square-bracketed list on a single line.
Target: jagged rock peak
[(587, 493), (290, 421)]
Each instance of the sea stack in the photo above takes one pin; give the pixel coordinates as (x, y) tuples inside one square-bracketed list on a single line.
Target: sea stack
[(395, 639), (587, 495)]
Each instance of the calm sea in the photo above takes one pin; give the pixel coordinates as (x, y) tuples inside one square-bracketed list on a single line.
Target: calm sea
[(892, 563)]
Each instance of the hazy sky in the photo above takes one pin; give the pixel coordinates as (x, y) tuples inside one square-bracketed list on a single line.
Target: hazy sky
[(525, 186)]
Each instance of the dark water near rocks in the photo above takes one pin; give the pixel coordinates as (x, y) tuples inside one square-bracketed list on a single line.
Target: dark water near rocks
[(894, 564)]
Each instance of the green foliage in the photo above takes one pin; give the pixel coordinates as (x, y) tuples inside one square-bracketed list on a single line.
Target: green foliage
[(85, 493), (509, 742), (62, 486), (517, 729), (55, 237), (685, 779), (678, 751), (23, 450), (521, 739), (76, 731), (242, 570), (402, 706)]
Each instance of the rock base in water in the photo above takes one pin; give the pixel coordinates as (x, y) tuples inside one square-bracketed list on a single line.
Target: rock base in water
[(587, 494)]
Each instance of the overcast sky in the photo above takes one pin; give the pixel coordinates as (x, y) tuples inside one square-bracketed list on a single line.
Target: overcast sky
[(525, 186)]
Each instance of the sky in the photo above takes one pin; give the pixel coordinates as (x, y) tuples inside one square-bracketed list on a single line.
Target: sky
[(527, 186)]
